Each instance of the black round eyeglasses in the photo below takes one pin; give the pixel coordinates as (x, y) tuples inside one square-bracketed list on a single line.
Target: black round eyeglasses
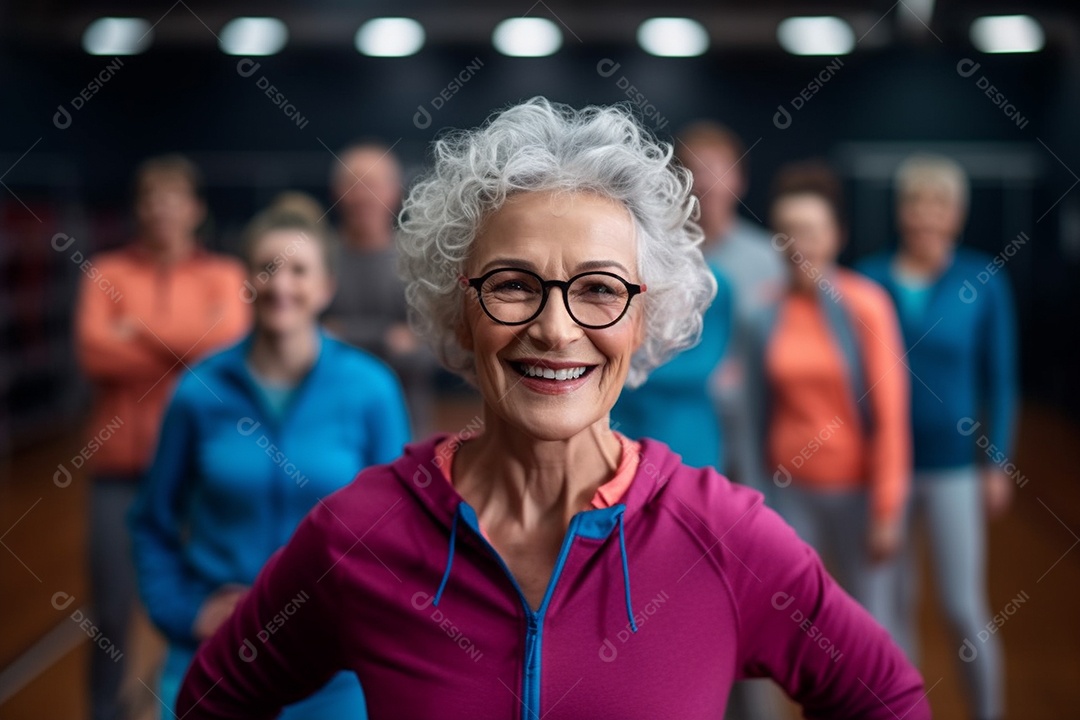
[(595, 300)]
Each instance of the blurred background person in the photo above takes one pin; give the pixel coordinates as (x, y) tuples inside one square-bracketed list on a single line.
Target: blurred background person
[(673, 405), (254, 437), (173, 302), (838, 436), (369, 310), (741, 250), (960, 335)]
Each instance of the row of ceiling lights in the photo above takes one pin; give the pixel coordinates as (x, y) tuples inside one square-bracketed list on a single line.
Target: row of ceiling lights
[(539, 37)]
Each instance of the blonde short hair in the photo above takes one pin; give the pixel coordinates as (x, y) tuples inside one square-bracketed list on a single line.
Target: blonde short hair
[(932, 172)]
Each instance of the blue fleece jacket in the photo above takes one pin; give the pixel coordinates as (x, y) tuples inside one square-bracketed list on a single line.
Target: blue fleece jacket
[(962, 355), (674, 405), (231, 479)]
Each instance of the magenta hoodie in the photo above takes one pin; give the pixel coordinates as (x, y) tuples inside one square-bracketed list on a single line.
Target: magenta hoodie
[(656, 605)]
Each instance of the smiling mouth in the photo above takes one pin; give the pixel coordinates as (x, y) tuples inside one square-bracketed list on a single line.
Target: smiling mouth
[(546, 373)]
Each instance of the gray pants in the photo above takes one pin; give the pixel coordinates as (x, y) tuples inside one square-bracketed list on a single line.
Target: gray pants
[(113, 586), (835, 523), (950, 505)]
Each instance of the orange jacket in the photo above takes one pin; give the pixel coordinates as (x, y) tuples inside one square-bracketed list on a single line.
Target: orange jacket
[(138, 325), (815, 431)]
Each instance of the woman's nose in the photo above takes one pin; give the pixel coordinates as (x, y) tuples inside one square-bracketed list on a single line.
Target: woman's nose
[(553, 328)]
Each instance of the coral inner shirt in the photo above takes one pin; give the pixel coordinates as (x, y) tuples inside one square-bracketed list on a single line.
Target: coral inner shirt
[(608, 494)]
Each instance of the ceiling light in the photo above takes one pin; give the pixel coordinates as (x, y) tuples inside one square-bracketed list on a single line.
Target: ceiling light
[(254, 36), (673, 37), (1007, 34), (117, 36), (818, 35), (390, 37), (527, 37)]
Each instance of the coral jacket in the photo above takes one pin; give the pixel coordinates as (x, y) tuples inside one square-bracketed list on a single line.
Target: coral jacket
[(816, 434), (139, 324)]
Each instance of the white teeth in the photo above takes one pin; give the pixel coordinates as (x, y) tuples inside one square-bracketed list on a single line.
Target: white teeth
[(552, 374)]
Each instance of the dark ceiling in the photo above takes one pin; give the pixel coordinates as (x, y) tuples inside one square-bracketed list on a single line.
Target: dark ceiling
[(734, 25)]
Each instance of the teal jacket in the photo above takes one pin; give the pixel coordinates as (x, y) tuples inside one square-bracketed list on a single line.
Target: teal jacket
[(674, 405), (962, 354)]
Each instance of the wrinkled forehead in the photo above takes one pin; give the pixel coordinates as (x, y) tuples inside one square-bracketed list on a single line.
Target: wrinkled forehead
[(557, 230)]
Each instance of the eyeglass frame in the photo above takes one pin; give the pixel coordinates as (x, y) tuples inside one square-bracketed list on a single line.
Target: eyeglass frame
[(633, 289)]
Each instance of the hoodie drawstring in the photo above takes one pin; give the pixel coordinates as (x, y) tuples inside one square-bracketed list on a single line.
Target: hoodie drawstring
[(449, 557), (626, 574), (622, 553)]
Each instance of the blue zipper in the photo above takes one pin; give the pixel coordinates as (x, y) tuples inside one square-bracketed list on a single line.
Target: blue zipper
[(534, 627)]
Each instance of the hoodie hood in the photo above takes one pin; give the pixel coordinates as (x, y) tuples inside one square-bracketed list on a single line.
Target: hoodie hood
[(420, 470)]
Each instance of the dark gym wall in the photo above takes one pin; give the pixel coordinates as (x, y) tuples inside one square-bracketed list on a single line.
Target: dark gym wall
[(199, 103)]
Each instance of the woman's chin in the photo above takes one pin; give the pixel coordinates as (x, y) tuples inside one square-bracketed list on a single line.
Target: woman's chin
[(551, 425)]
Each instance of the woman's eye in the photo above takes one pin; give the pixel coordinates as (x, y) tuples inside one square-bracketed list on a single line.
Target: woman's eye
[(515, 286), (599, 289)]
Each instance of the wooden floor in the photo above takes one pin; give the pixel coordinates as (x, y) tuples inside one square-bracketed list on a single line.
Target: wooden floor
[(1033, 552)]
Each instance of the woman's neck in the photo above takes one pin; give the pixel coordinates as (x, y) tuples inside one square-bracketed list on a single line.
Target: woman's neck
[(172, 251), (508, 475), (284, 357), (805, 280)]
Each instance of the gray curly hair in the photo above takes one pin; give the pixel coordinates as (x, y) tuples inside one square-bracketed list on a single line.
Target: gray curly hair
[(543, 146)]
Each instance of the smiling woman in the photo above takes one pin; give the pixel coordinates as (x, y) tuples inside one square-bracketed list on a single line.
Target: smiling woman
[(539, 148), (527, 535), (253, 437)]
